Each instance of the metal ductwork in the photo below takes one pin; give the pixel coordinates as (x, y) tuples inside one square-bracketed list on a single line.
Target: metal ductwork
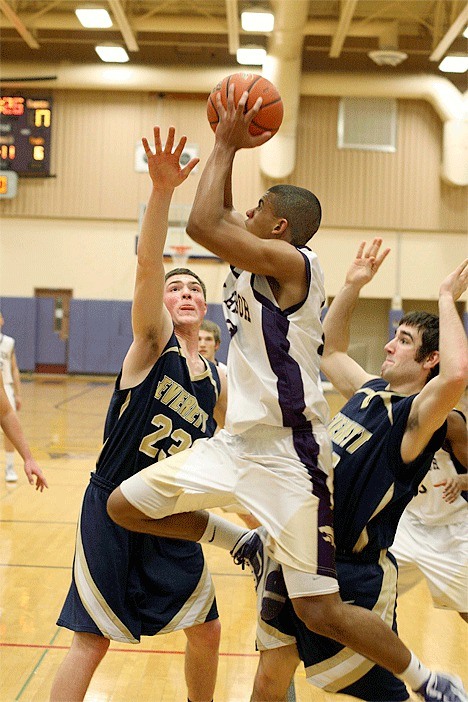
[(277, 157), (283, 67)]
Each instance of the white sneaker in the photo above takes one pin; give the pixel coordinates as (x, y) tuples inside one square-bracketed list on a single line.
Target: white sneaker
[(443, 688), (250, 550), (10, 475)]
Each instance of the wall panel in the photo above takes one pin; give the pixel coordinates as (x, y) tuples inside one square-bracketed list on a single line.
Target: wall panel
[(94, 137)]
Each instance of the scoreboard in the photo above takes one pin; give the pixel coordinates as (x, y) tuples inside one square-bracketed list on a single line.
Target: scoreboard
[(25, 124)]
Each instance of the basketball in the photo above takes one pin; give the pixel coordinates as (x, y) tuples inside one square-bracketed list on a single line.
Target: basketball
[(270, 115)]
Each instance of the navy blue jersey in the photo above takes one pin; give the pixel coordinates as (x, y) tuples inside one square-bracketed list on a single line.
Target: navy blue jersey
[(372, 487), (126, 584), (372, 483), (161, 416)]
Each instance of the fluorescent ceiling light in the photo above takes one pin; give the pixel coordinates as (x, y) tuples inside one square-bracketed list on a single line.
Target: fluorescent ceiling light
[(251, 55), (257, 20), (112, 54), (94, 19), (454, 64)]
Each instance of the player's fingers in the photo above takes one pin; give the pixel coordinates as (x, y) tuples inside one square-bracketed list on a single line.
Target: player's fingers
[(157, 139), (242, 102), (381, 258), (373, 248), (254, 110), (146, 147), (360, 249), (186, 170), (230, 98), (169, 141), (221, 110), (180, 147), (463, 275)]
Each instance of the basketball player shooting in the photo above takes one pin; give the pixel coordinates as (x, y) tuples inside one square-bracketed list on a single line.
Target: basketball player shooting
[(274, 455)]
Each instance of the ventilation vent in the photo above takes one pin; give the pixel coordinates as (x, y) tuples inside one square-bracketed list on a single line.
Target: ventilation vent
[(367, 123), (387, 57)]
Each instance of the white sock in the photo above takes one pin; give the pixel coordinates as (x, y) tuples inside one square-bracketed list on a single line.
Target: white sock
[(221, 532), (9, 459), (415, 674)]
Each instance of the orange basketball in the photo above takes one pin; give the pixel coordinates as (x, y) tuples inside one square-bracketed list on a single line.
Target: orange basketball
[(270, 115)]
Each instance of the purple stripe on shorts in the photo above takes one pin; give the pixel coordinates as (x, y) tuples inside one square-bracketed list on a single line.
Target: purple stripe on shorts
[(308, 450), (291, 400)]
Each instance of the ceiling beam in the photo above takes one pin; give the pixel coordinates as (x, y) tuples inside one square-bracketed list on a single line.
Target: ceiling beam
[(232, 16), (124, 25), (21, 28), (457, 27), (439, 14), (346, 15)]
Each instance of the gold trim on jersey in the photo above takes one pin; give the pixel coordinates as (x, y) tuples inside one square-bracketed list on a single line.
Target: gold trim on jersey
[(269, 637), (363, 539), (385, 396), (205, 374), (346, 667), (94, 603), (126, 403), (196, 608)]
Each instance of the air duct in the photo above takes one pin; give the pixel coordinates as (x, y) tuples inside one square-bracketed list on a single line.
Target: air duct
[(277, 157)]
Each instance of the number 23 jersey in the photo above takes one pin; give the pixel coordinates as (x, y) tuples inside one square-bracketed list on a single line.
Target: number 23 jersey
[(161, 416)]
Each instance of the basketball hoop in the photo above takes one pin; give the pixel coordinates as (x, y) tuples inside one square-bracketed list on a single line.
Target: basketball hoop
[(180, 255)]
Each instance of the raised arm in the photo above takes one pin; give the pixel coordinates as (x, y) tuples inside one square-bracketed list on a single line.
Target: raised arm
[(342, 371), (230, 214), (151, 322), (12, 428), (433, 404), (211, 222)]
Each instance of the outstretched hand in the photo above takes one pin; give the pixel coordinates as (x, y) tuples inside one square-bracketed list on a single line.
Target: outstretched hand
[(234, 122), (32, 469), (367, 263), (457, 282), (453, 486), (164, 167)]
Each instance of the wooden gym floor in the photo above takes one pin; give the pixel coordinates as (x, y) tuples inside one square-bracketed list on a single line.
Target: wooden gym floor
[(63, 420)]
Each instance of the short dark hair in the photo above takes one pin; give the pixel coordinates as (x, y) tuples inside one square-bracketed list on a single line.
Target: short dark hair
[(300, 207), (428, 325), (213, 328), (186, 271)]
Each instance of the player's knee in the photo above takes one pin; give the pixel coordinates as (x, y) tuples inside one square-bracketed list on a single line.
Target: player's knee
[(91, 647), (320, 613), (122, 512), (269, 685), (207, 635)]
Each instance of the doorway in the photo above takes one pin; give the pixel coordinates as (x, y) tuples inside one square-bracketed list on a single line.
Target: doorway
[(52, 329)]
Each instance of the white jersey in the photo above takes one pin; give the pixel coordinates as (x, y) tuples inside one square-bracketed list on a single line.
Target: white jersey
[(274, 354), (429, 507), (7, 346)]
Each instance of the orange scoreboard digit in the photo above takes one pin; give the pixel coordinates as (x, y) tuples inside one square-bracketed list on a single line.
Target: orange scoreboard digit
[(8, 184), (25, 129)]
